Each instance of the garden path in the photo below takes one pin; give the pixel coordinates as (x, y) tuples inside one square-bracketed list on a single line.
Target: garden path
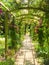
[(26, 55)]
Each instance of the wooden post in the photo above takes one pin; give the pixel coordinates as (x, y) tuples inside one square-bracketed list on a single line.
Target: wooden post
[(6, 33)]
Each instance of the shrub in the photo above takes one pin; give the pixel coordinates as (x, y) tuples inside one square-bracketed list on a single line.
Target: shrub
[(7, 62)]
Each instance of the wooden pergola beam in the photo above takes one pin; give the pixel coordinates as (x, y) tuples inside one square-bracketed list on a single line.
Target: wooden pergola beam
[(41, 9), (29, 14), (6, 8), (20, 8)]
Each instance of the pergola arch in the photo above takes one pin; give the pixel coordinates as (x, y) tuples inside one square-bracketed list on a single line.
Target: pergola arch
[(23, 17), (19, 17), (21, 8)]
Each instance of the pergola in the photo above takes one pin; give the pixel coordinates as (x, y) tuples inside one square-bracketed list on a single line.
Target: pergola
[(18, 17)]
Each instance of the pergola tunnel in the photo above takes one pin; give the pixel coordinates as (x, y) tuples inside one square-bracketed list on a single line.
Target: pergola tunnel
[(24, 32)]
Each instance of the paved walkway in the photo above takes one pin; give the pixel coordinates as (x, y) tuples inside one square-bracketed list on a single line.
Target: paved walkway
[(26, 55)]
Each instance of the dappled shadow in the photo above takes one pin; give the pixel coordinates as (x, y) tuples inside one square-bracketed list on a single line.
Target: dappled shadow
[(28, 63)]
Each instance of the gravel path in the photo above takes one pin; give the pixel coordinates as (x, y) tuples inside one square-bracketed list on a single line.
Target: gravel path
[(26, 55)]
